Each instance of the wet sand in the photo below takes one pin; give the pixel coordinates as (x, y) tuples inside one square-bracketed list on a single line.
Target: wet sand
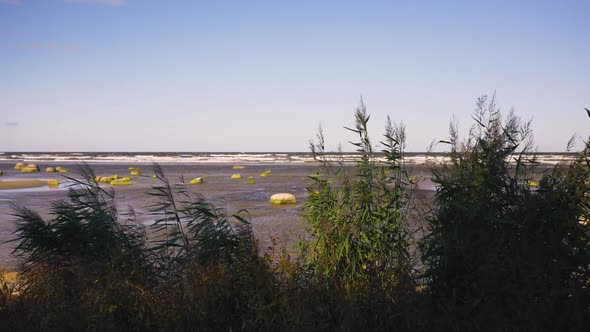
[(268, 221), (218, 188)]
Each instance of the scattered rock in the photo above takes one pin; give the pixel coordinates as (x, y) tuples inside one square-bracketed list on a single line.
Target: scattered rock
[(30, 168), (236, 176), (198, 180), (282, 198), (120, 182)]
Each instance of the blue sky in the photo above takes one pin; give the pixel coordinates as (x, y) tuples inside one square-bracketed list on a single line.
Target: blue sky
[(174, 75)]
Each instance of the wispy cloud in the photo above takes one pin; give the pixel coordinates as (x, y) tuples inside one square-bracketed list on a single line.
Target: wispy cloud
[(44, 46), (100, 2), (11, 2), (11, 124)]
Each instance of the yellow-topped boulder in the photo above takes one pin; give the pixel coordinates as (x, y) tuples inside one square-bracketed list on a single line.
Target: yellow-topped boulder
[(135, 172), (50, 170), (198, 180), (105, 179), (239, 167), (30, 168), (283, 198), (53, 183), (120, 182), (236, 176), (19, 166)]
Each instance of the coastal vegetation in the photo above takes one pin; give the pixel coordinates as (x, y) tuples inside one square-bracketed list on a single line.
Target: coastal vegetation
[(500, 247)]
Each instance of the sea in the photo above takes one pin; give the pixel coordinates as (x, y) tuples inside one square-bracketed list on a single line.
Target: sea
[(293, 158)]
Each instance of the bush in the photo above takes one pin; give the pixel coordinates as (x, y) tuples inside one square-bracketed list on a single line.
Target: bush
[(501, 254), (83, 268), (359, 251)]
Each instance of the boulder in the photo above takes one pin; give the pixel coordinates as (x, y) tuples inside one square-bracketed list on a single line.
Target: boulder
[(239, 167), (28, 169), (19, 166), (135, 172), (251, 177), (236, 176), (198, 180), (50, 170), (52, 183), (263, 175), (120, 182), (250, 182), (105, 179), (59, 168), (282, 198), (62, 170)]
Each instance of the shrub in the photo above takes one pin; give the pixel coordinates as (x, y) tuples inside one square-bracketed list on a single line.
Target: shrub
[(502, 254), (359, 249)]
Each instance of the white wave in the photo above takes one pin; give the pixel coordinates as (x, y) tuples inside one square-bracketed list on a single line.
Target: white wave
[(235, 158)]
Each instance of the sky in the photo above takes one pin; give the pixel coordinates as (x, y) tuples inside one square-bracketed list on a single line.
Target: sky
[(260, 76)]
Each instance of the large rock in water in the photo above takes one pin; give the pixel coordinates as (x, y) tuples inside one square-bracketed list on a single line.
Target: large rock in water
[(236, 176), (283, 198), (198, 180), (30, 168), (19, 166), (120, 182), (50, 170)]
